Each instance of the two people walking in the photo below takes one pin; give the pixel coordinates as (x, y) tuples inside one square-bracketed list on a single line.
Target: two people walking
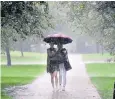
[(57, 61)]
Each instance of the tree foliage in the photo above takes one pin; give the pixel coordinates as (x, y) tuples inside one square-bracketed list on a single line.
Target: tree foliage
[(27, 18), (22, 19), (96, 19)]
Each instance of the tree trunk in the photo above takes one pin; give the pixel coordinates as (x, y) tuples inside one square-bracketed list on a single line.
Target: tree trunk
[(102, 50), (8, 56), (21, 48), (114, 58), (22, 52), (97, 47)]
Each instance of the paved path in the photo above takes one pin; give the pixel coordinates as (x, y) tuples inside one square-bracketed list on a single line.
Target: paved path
[(78, 86), (44, 62)]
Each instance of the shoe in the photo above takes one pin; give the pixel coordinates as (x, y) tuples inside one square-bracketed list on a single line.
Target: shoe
[(60, 88), (63, 88)]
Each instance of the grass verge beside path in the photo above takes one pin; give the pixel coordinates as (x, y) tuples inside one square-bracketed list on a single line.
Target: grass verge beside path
[(28, 57), (96, 57), (19, 75), (103, 77)]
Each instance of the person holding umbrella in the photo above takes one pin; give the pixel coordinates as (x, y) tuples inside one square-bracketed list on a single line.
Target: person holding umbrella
[(52, 66), (64, 65), (61, 57)]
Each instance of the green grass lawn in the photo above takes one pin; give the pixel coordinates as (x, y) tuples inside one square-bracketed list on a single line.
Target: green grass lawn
[(28, 57), (96, 57), (103, 77), (19, 75)]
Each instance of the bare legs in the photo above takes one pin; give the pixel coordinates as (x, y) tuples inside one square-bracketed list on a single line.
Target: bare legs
[(54, 76), (62, 77)]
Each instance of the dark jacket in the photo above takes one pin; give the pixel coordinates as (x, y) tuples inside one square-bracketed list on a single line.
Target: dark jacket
[(51, 65), (56, 57), (64, 59)]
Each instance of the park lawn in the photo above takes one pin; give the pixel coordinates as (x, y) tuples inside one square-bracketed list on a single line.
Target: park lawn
[(4, 96), (95, 57), (28, 57), (19, 75), (103, 77)]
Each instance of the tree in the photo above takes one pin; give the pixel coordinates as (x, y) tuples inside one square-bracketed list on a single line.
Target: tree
[(23, 18), (107, 10), (96, 19)]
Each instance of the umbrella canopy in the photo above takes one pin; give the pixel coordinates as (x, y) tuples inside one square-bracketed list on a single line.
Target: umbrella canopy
[(58, 38)]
